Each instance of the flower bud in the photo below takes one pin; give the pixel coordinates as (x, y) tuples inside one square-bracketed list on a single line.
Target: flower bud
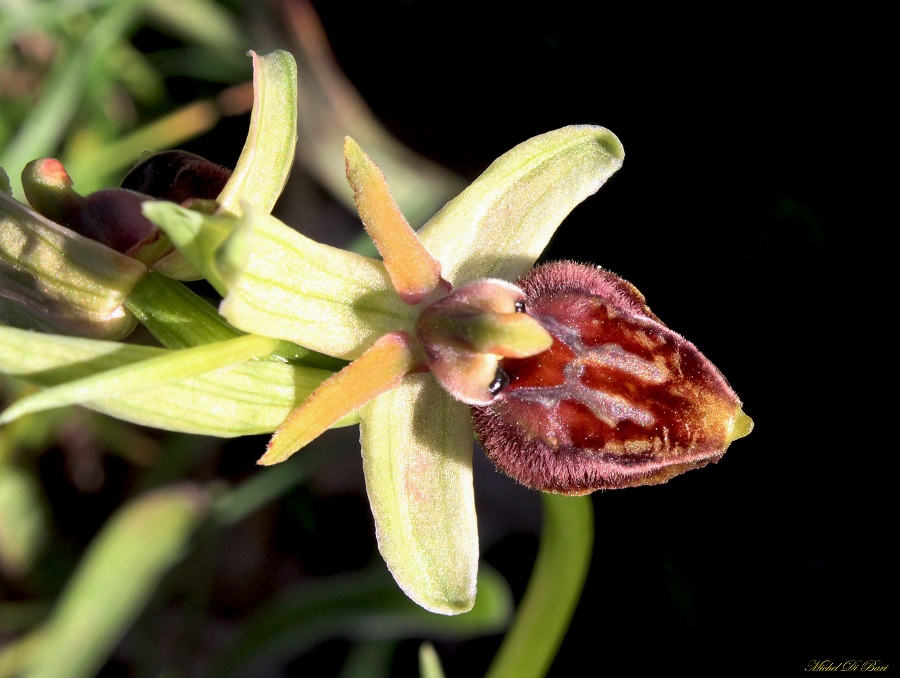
[(618, 400), (55, 280), (110, 216), (177, 176)]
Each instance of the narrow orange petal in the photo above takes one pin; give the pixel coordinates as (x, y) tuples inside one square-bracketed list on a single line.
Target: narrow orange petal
[(377, 370), (414, 272)]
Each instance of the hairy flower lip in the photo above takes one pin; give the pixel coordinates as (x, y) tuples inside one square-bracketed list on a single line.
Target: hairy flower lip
[(619, 400)]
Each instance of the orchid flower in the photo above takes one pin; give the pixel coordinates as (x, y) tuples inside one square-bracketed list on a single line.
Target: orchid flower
[(436, 327)]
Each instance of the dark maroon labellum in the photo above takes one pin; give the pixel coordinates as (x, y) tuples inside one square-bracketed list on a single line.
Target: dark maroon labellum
[(619, 400)]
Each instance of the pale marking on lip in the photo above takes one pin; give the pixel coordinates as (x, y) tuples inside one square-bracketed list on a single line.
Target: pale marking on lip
[(615, 357), (609, 408)]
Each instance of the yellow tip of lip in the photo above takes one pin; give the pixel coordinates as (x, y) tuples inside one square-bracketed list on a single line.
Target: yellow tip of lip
[(741, 425)]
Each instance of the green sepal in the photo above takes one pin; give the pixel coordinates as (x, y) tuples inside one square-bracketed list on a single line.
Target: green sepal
[(282, 284), (265, 163), (417, 459), (499, 225)]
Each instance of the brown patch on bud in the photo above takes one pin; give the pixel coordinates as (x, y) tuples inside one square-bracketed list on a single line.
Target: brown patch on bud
[(618, 400), (113, 217), (177, 176)]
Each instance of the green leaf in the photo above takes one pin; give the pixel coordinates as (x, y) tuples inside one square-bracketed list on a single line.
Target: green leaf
[(199, 22), (417, 459), (252, 397), (55, 280), (282, 284), (116, 578), (543, 616), (498, 226), (145, 375), (265, 163), (361, 607)]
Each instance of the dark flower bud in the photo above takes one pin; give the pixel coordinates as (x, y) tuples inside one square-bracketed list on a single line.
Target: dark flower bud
[(113, 217), (177, 176), (110, 216), (618, 400)]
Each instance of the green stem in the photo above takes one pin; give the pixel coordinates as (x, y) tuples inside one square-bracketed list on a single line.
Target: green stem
[(556, 582)]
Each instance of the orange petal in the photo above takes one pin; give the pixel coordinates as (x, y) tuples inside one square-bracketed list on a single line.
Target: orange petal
[(377, 370), (414, 272)]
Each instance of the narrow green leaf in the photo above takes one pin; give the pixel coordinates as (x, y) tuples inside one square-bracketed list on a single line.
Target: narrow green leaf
[(145, 375), (116, 578), (199, 22), (417, 458), (369, 659), (543, 616), (429, 662), (268, 484), (498, 226), (363, 606), (265, 163), (252, 397), (282, 284), (23, 519), (55, 280)]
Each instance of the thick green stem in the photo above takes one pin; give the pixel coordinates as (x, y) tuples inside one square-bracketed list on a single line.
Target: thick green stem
[(546, 609)]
